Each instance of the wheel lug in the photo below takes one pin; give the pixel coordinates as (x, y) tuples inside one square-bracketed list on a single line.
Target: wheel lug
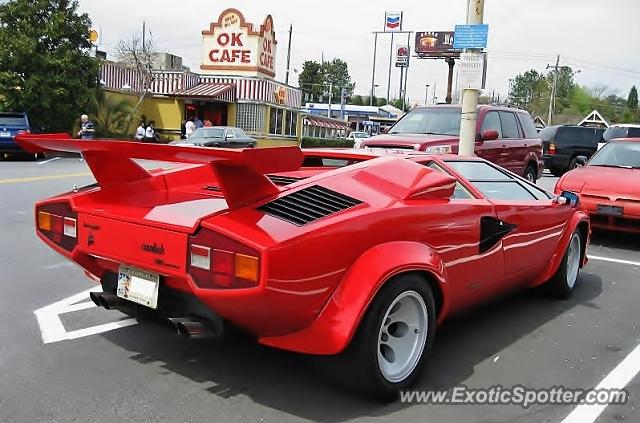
[(385, 337)]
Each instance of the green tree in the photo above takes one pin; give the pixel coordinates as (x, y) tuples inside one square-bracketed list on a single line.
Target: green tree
[(45, 63), (335, 74), (632, 99), (528, 88), (112, 117), (357, 100), (311, 80)]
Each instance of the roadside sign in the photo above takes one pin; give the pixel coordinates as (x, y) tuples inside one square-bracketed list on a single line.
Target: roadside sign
[(393, 21), (470, 36), (402, 56), (435, 44), (471, 73)]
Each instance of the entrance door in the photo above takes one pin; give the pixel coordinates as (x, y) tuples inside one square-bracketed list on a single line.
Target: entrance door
[(216, 113)]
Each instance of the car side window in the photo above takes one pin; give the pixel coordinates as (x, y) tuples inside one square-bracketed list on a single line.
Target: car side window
[(510, 128), (492, 123), (230, 134), (460, 191), (239, 133), (530, 131)]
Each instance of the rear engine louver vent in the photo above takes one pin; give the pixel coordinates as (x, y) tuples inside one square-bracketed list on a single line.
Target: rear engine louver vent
[(308, 205), (283, 180)]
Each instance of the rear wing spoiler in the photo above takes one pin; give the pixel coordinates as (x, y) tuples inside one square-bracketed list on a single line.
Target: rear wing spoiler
[(241, 173)]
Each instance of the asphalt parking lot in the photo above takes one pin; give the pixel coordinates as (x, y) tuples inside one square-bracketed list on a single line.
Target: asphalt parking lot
[(99, 366)]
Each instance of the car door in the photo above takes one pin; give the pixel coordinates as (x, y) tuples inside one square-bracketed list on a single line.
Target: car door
[(513, 151), (491, 149)]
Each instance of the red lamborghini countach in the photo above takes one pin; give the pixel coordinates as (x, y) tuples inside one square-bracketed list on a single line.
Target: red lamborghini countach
[(342, 253)]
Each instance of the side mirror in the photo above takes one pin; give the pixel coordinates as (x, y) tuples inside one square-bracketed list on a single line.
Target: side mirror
[(567, 197), (385, 130), (489, 135)]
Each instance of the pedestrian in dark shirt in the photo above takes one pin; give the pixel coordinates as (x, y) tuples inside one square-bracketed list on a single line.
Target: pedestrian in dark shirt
[(87, 128)]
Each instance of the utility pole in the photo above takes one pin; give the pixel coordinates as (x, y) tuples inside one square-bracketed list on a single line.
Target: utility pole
[(373, 68), (475, 15), (286, 78), (330, 95), (552, 97)]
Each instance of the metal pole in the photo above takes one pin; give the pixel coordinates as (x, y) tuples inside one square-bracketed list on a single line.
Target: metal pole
[(286, 78), (373, 68), (401, 82), (330, 94), (390, 60), (406, 74), (552, 97), (451, 62), (475, 12), (426, 95)]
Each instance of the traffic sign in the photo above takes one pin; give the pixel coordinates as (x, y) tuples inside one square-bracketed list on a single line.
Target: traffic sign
[(470, 36)]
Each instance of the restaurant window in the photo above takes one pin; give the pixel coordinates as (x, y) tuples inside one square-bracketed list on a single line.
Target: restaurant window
[(250, 118), (275, 121), (291, 123)]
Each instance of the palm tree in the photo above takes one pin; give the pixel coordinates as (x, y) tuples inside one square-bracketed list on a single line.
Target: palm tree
[(111, 116)]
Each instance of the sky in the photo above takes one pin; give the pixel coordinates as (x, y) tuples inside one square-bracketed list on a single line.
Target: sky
[(599, 38)]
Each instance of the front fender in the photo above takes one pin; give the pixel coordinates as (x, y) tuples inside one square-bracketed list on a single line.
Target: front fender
[(576, 219), (336, 324)]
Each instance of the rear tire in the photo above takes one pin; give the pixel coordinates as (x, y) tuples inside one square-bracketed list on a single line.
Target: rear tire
[(530, 174), (574, 164), (563, 282), (389, 348)]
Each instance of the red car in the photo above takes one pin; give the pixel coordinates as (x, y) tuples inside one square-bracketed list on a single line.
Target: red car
[(505, 136), (609, 186), (323, 252)]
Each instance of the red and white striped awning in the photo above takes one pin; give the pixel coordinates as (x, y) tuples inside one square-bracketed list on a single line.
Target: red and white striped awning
[(220, 92), (326, 123)]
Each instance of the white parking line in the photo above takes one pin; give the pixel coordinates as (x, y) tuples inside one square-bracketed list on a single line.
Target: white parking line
[(612, 260), (53, 159), (617, 379)]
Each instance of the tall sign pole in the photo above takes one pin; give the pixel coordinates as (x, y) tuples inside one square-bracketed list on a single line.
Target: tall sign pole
[(286, 78), (475, 14), (373, 68), (390, 61)]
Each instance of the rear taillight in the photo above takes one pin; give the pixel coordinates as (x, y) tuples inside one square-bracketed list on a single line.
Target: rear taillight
[(24, 132), (552, 149), (218, 262), (58, 223)]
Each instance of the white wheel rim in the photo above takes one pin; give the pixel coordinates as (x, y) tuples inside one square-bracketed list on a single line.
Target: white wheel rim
[(573, 260), (402, 336), (530, 176)]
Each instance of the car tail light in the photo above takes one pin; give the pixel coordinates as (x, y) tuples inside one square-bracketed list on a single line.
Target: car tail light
[(219, 262), (58, 223), (552, 148), (24, 132)]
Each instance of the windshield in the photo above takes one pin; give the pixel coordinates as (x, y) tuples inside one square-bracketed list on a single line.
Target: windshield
[(208, 133), (360, 135), (12, 120), (614, 132), (618, 154), (430, 120)]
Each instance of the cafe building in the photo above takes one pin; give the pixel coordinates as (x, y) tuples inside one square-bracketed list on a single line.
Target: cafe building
[(235, 86)]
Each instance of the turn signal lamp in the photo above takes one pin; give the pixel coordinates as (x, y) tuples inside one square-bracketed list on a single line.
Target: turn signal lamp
[(552, 148)]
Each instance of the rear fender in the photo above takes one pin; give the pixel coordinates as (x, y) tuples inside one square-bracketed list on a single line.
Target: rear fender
[(336, 324), (578, 218)]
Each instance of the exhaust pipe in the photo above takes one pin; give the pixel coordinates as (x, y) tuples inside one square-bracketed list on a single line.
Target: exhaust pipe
[(107, 300), (193, 329)]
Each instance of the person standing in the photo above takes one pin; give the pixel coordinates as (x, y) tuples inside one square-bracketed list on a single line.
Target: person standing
[(141, 131), (189, 127), (87, 128), (150, 133), (198, 122), (183, 129)]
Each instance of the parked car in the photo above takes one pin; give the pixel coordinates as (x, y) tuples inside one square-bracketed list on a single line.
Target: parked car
[(566, 146), (420, 237), (12, 124), (609, 186), (504, 136), (357, 137), (218, 136), (626, 130)]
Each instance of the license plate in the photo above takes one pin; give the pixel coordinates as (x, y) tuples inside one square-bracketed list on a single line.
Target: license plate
[(609, 210), (5, 134), (138, 286)]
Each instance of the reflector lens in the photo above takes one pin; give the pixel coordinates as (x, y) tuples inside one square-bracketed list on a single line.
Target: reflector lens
[(223, 262), (56, 224), (247, 267), (200, 257), (70, 227), (44, 221)]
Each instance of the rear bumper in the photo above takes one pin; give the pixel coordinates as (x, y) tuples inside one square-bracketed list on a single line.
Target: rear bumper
[(556, 161), (9, 146)]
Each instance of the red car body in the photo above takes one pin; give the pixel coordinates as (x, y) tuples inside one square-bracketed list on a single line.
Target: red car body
[(317, 272), (516, 154), (611, 195)]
